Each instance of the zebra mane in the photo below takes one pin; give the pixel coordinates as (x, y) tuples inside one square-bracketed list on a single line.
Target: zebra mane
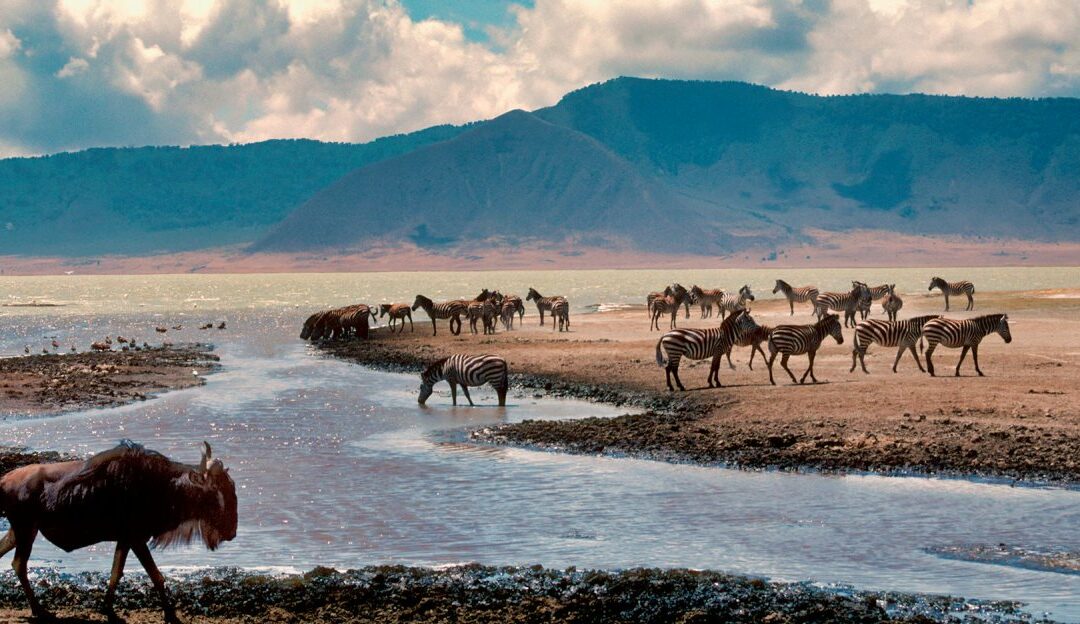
[(922, 320), (991, 317), (434, 367)]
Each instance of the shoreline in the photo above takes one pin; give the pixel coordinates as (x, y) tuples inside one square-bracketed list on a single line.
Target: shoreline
[(888, 431)]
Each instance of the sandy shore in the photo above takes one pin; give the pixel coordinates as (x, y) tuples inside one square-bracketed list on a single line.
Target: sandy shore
[(1021, 421)]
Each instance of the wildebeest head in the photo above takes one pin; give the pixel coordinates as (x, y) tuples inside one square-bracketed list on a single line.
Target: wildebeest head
[(218, 520)]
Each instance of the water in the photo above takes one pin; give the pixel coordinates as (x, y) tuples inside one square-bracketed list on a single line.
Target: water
[(337, 465)]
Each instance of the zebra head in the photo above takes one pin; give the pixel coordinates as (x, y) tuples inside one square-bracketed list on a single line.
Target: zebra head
[(695, 293), (421, 302), (936, 282), (831, 324), (428, 378), (679, 292), (533, 295), (745, 293), (891, 289), (1003, 329), (779, 286), (861, 291)]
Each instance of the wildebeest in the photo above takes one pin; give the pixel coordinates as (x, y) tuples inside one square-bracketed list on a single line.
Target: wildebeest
[(130, 495)]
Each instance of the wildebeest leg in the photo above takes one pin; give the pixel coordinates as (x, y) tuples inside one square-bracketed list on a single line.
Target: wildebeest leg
[(465, 389), (963, 353), (158, 579), (453, 392), (119, 559), (975, 357), (783, 364), (24, 543)]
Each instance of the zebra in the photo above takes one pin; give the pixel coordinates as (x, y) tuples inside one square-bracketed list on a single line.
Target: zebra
[(966, 333), (543, 304), (698, 344), (560, 312), (467, 370), (842, 302), (796, 294), (891, 303), (485, 311), (706, 299), (799, 339), (876, 292), (903, 334), (954, 288), (397, 312), (731, 303), (511, 305), (674, 298), (452, 310), (753, 339)]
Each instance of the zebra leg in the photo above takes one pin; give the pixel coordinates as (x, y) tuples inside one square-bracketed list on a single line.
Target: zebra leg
[(791, 302), (971, 302), (754, 349), (678, 382), (783, 363), (541, 315), (810, 369), (411, 327), (975, 357), (465, 389), (674, 315), (453, 392), (917, 362), (714, 370), (434, 327), (501, 391), (456, 319), (772, 358), (729, 363), (667, 371), (963, 352), (946, 301), (900, 352), (929, 362)]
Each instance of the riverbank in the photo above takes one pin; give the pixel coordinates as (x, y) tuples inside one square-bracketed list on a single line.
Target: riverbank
[(474, 594), (1019, 422)]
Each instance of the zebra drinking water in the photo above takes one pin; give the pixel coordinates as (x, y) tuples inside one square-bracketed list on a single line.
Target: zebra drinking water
[(466, 370)]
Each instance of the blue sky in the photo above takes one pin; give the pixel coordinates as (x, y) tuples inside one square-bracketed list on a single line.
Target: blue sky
[(84, 73)]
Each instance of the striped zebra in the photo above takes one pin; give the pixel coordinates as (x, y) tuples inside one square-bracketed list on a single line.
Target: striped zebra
[(667, 304), (511, 305), (876, 292), (543, 304), (903, 334), (397, 312), (466, 370), (891, 303), (955, 288), (792, 340), (966, 333), (560, 313), (796, 294), (698, 344), (706, 299), (842, 302), (753, 339), (452, 310), (484, 311), (732, 303)]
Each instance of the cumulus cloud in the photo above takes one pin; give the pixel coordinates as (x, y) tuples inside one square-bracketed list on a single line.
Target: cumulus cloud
[(78, 73)]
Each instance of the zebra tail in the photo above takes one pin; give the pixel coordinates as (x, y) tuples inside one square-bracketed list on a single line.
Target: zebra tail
[(659, 354)]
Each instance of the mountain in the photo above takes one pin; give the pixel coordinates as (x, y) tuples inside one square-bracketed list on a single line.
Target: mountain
[(513, 179), (149, 199)]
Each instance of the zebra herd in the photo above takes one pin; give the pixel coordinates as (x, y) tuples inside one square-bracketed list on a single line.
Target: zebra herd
[(489, 308)]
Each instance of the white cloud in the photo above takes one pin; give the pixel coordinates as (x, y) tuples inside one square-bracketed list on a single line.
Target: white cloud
[(353, 70)]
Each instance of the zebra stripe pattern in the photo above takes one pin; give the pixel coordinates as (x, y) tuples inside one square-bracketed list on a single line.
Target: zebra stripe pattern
[(732, 303), (397, 312), (798, 294), (485, 311), (790, 340), (511, 305), (876, 292), (706, 299), (843, 302), (966, 334), (698, 344), (466, 370), (452, 310), (954, 288), (753, 339), (543, 304), (891, 303), (674, 297), (560, 312), (903, 334)]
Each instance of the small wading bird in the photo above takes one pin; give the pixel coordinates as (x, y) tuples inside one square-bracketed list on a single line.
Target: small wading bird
[(130, 495)]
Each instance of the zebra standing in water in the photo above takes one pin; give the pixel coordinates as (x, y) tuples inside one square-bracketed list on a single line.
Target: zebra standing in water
[(706, 299), (467, 370), (698, 344), (796, 295), (799, 339), (876, 292), (843, 302), (670, 302), (732, 303), (966, 333), (903, 334), (891, 303), (452, 310), (955, 288), (543, 304)]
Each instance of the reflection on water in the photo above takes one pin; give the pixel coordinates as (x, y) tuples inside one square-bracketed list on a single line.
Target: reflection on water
[(338, 465)]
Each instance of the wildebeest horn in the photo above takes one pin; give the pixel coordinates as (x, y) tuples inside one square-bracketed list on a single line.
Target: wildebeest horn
[(205, 456)]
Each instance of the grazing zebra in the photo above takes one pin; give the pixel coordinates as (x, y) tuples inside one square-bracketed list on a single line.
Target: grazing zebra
[(843, 302), (560, 312), (954, 288), (467, 370), (698, 344), (891, 303), (452, 310), (792, 340), (674, 297), (543, 304), (903, 334), (796, 295), (966, 333), (397, 312), (732, 303), (753, 339), (876, 292), (485, 311), (706, 299)]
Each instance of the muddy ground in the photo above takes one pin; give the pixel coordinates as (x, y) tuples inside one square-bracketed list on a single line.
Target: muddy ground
[(1020, 421)]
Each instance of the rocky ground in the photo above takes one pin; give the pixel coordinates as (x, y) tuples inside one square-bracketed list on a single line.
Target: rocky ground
[(475, 594), (1021, 421)]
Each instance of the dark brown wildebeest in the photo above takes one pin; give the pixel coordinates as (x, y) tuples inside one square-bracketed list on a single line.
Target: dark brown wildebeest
[(129, 495)]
